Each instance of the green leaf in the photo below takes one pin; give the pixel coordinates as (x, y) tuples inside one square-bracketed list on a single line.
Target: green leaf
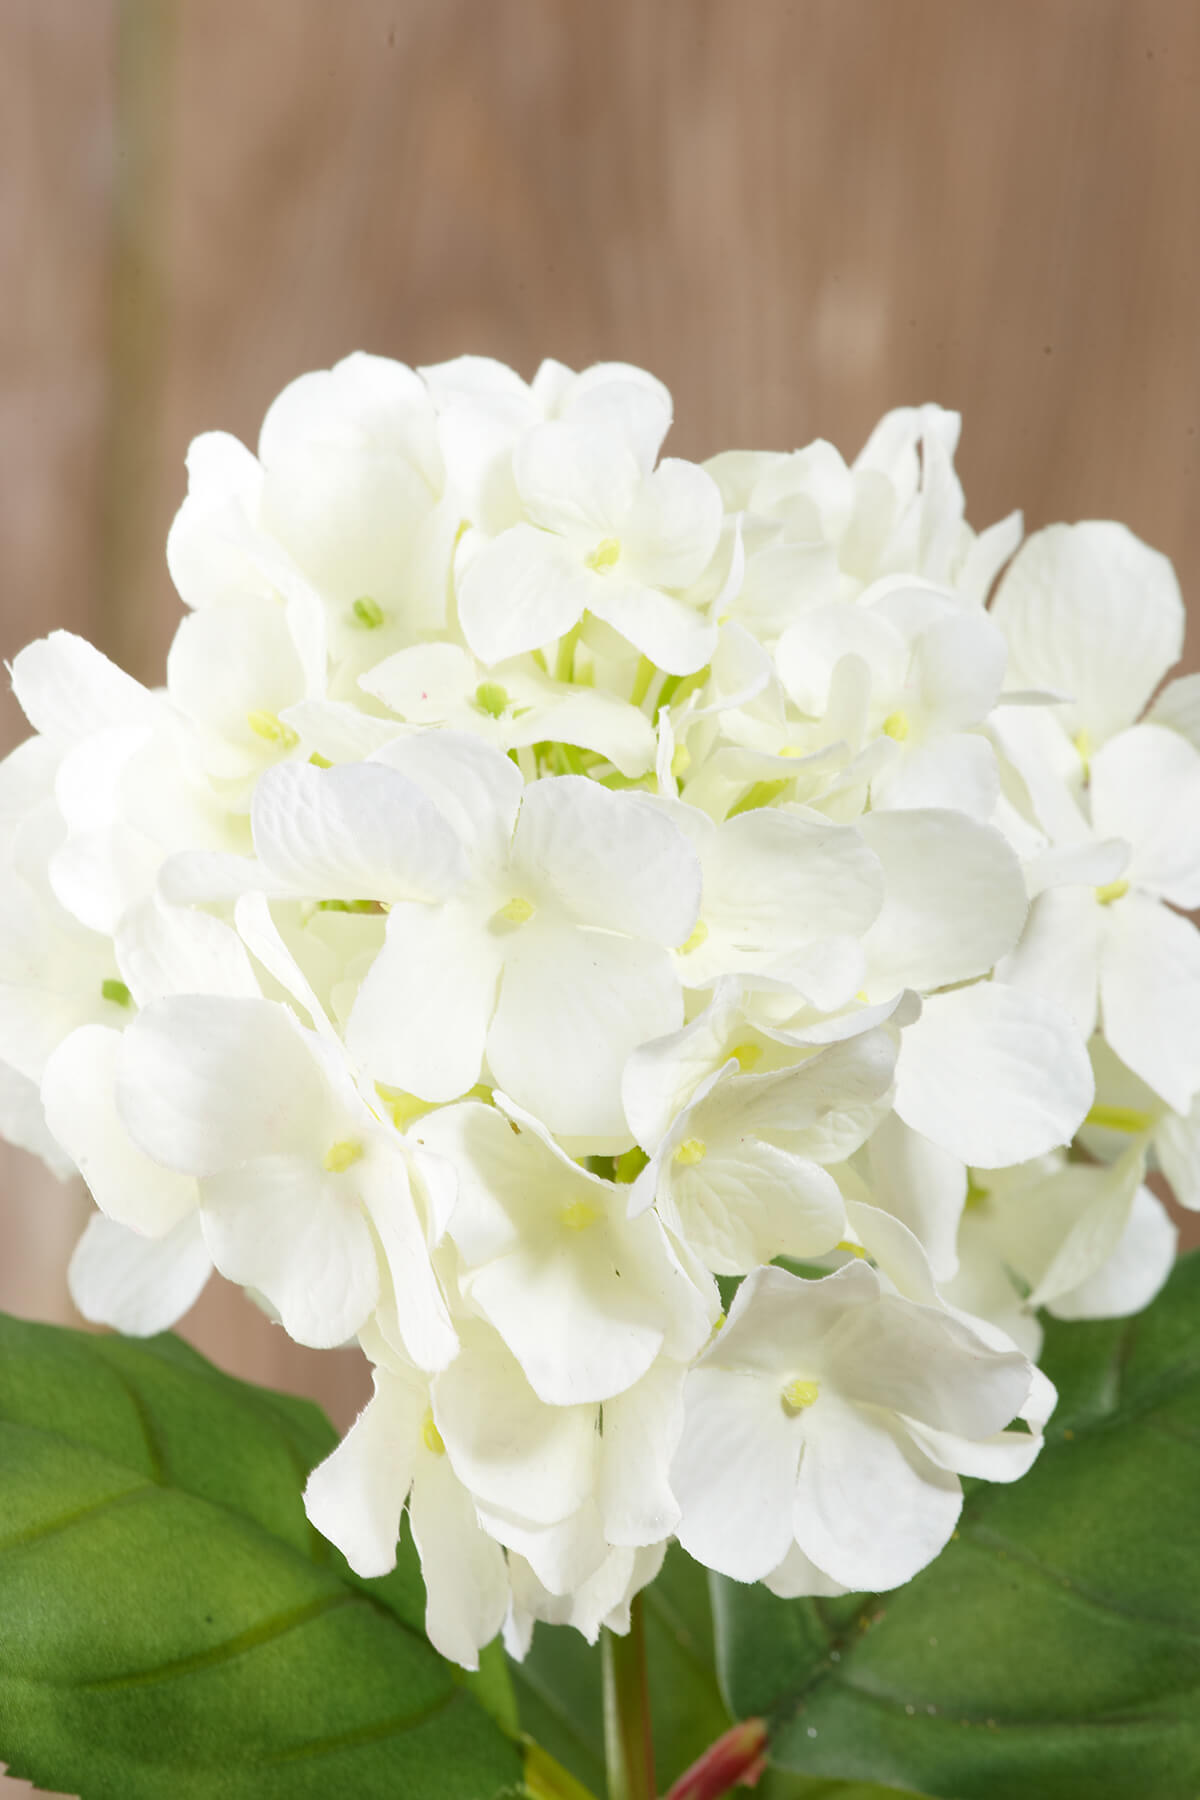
[(170, 1624), (560, 1698), (1054, 1648)]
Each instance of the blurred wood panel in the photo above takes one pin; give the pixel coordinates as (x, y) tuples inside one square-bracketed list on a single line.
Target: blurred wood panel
[(798, 212)]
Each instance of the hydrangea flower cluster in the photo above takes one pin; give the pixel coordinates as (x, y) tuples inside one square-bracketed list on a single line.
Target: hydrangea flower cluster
[(562, 893)]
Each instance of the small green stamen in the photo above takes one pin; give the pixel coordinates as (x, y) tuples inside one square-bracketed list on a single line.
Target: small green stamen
[(578, 1215), (604, 555), (491, 699), (515, 911), (116, 992), (1120, 1118), (691, 1152), (799, 1394), (368, 612), (271, 728), (896, 726), (1112, 890)]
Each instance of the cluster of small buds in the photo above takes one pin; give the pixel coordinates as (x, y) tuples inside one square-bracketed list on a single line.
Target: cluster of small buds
[(562, 893)]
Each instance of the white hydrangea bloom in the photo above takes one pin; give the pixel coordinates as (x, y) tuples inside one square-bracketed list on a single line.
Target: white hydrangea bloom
[(553, 877)]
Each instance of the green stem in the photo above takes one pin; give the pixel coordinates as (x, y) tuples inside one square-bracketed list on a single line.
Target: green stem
[(641, 681), (628, 1738), (564, 667)]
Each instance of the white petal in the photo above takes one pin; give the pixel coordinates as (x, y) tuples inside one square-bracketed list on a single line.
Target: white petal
[(23, 1122), (206, 1083), (919, 1361), (1178, 708), (734, 1474), (870, 1508), (746, 1203), (279, 1226), (472, 784), (520, 591), (233, 660), (99, 875), (1070, 1224), (1058, 956), (954, 900), (775, 880), (163, 949), (642, 1427), (422, 1318), (661, 1076), (1177, 1147), (576, 478), (79, 1094), (466, 1583), (136, 1284), (1150, 996), (993, 1074), (355, 1497), (959, 665), (1090, 611), (798, 1577), (358, 831), (958, 773), (515, 1453), (613, 860), (1145, 788), (595, 721), (673, 635), (923, 1186), (624, 400), (68, 689), (573, 1005), (671, 532), (1135, 1271), (422, 1013)]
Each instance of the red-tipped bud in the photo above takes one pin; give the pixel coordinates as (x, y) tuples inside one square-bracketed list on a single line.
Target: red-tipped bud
[(737, 1759)]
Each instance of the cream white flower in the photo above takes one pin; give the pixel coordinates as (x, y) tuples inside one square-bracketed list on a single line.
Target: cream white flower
[(800, 1429), (552, 877)]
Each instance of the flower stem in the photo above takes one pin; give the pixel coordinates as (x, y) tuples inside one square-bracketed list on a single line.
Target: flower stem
[(628, 1739)]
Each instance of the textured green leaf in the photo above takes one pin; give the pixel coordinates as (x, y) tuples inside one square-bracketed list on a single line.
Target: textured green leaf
[(1054, 1648), (171, 1627)]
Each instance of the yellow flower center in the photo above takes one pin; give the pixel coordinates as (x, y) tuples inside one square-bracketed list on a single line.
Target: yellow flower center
[(799, 1394), (578, 1215), (604, 555), (514, 912), (896, 726), (691, 1151), (342, 1155), (1112, 890), (431, 1435), (272, 730)]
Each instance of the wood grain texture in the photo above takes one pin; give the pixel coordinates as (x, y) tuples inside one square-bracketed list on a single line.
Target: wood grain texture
[(798, 212)]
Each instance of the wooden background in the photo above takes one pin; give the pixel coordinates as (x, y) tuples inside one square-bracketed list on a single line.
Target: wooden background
[(798, 212)]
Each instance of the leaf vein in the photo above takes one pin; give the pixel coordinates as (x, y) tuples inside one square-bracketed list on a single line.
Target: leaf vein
[(253, 1638)]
